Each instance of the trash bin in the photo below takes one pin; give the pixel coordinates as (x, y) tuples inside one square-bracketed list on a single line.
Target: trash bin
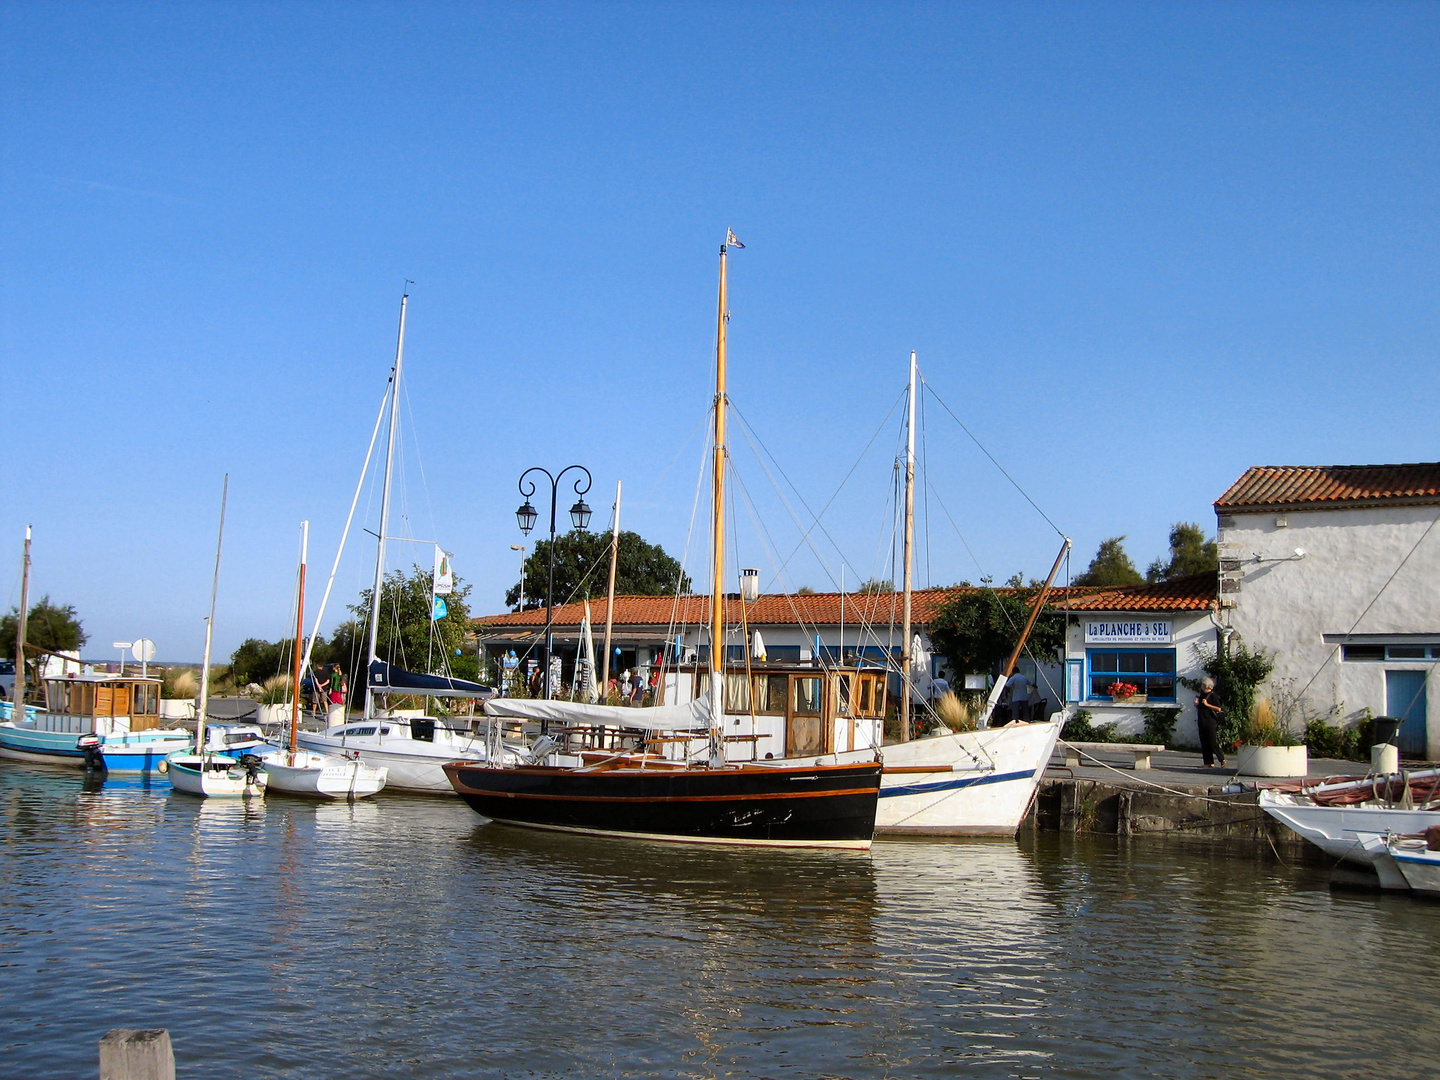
[(1386, 729)]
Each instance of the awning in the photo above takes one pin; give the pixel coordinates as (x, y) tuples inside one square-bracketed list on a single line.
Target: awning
[(388, 679)]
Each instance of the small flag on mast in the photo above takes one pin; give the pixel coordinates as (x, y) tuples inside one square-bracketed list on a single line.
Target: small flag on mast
[(731, 240)]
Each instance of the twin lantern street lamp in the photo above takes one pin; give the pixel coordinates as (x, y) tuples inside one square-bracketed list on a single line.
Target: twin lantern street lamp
[(526, 516)]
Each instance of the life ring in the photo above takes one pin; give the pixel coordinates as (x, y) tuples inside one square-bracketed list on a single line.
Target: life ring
[(163, 767)]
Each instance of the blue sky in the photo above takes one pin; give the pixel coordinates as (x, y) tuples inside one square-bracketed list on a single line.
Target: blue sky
[(1137, 247)]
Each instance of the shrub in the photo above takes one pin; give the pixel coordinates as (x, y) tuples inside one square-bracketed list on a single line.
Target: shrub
[(179, 683), (1079, 729), (1237, 672), (955, 714), (1265, 729), (276, 691), (1160, 724)]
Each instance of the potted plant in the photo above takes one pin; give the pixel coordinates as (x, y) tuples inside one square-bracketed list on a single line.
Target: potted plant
[(178, 688), (274, 699), (1124, 691), (1268, 748)]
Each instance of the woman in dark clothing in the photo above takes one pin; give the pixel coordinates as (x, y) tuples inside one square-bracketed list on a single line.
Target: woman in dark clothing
[(1208, 708)]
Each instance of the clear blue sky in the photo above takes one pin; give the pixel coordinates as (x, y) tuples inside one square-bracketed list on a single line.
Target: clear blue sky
[(1138, 247)]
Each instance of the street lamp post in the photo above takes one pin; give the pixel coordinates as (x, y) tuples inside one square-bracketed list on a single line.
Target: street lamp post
[(525, 516), (521, 548)]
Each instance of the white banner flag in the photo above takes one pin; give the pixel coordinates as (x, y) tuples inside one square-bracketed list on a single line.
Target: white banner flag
[(444, 575)]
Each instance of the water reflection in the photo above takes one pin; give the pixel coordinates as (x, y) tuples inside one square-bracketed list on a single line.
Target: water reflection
[(403, 937)]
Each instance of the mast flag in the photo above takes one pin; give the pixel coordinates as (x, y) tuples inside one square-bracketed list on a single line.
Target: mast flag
[(731, 240)]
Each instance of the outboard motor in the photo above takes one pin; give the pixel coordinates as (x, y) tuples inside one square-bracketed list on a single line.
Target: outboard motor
[(89, 744), (251, 764)]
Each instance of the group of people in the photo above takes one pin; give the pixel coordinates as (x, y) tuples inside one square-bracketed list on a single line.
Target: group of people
[(328, 686)]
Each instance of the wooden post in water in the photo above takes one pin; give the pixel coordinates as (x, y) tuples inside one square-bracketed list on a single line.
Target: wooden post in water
[(128, 1054)]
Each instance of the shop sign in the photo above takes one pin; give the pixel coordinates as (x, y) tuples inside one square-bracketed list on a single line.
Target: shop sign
[(1128, 632)]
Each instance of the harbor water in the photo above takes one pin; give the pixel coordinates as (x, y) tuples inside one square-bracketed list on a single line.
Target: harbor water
[(405, 937)]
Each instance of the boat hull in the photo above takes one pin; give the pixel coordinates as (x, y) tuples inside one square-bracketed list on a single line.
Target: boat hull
[(321, 776), (825, 806), (1340, 831), (410, 764), (213, 778), (138, 754), (1420, 867), (974, 783)]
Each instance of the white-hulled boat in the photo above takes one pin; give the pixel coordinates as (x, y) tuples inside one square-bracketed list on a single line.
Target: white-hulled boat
[(304, 772), (1418, 863), (410, 749), (1349, 819), (204, 772), (119, 710)]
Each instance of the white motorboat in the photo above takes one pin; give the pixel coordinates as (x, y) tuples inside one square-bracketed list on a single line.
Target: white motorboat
[(328, 776)]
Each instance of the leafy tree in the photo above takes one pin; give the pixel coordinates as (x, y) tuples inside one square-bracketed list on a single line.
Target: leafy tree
[(976, 632), (1190, 553), (49, 625), (804, 590), (877, 585), (1111, 566), (257, 660), (407, 636), (641, 568), (1237, 673)]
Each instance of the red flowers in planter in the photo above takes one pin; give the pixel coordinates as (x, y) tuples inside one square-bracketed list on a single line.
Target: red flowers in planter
[(1120, 690)]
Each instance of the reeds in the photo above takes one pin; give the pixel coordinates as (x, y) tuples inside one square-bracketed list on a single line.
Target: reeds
[(956, 714), (276, 691)]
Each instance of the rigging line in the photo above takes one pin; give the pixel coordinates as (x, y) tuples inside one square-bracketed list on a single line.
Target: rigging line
[(1373, 600), (419, 461), (655, 483), (689, 537), (879, 428), (939, 400)]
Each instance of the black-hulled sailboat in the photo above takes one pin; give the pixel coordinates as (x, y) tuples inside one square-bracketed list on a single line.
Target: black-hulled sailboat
[(650, 796)]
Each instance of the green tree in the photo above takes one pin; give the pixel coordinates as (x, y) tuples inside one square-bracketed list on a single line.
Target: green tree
[(1111, 566), (407, 636), (877, 585), (977, 631), (49, 625), (257, 660), (1237, 673), (641, 568), (1190, 553)]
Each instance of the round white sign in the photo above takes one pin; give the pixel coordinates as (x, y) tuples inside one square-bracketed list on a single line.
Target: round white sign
[(143, 650)]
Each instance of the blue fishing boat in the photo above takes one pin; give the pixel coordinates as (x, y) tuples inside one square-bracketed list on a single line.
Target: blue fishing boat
[(121, 710)]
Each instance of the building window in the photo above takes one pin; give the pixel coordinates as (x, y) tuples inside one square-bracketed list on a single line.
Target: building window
[(1151, 671), (1376, 653)]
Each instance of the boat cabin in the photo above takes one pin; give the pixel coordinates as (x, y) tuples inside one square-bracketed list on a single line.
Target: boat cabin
[(795, 710), (103, 704)]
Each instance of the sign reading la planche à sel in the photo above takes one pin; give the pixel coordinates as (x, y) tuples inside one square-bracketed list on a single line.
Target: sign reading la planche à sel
[(1128, 632)]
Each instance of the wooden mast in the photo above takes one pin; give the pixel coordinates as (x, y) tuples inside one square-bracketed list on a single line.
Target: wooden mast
[(204, 703), (20, 628), (909, 559), (299, 641), (717, 513), (378, 589), (999, 688), (610, 598)]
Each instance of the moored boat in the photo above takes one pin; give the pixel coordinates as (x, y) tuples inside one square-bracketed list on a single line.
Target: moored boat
[(1418, 860)]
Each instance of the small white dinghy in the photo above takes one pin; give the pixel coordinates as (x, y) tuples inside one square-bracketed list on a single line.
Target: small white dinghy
[(300, 772), (216, 775), (200, 771)]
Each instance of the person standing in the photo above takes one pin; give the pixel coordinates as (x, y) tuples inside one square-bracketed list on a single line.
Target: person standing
[(1017, 694), (1208, 710)]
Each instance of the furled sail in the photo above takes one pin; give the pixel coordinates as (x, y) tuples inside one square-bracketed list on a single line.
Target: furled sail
[(690, 716), (388, 679)]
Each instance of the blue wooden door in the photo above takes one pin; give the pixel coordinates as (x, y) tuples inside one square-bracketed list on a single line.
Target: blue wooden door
[(1405, 698)]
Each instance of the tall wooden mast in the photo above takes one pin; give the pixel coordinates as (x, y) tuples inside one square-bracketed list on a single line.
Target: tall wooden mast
[(909, 559), (18, 692), (299, 641), (717, 485)]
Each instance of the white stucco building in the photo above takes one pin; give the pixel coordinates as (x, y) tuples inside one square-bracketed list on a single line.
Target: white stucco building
[(1147, 636), (1335, 571)]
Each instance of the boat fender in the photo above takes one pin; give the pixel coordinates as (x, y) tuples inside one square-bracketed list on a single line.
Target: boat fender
[(163, 767)]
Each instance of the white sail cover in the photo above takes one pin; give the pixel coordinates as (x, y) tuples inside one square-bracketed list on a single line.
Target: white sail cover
[(691, 716)]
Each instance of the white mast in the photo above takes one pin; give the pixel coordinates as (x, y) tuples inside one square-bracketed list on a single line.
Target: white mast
[(375, 593), (20, 628), (909, 559), (204, 702), (609, 597)]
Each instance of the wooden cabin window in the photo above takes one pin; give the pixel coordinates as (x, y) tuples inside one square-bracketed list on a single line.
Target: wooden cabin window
[(152, 700), (864, 696), (808, 699), (737, 693), (771, 693), (842, 695), (104, 701)]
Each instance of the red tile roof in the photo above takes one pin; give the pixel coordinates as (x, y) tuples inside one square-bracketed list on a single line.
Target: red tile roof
[(1194, 593), (1302, 487), (779, 609)]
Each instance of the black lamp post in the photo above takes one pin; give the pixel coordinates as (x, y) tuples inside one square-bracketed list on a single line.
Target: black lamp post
[(526, 515)]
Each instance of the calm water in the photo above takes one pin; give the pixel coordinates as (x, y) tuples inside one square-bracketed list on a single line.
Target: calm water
[(401, 937)]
